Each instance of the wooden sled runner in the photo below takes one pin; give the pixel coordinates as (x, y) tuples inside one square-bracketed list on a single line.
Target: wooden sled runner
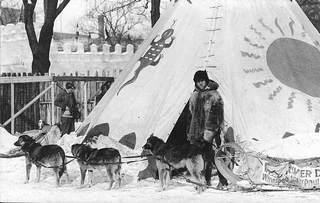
[(237, 164)]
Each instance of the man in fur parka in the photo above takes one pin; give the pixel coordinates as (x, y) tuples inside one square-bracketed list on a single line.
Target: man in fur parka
[(207, 119)]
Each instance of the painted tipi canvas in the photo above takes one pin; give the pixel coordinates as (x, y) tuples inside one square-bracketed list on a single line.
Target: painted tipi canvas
[(264, 54)]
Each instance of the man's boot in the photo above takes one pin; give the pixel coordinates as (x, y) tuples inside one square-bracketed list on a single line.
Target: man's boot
[(208, 158)]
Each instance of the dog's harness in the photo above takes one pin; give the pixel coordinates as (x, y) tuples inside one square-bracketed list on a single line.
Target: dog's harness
[(93, 154), (188, 180), (55, 166), (33, 157), (88, 162), (119, 162)]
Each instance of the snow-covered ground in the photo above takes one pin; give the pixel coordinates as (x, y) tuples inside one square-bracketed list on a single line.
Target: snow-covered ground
[(12, 176)]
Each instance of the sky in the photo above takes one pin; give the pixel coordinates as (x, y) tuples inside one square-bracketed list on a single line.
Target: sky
[(66, 21), (68, 17)]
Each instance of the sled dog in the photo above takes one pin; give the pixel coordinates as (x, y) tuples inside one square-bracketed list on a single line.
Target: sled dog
[(50, 156), (170, 157), (90, 159)]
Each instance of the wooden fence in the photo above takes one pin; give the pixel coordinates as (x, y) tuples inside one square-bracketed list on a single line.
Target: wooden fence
[(26, 99)]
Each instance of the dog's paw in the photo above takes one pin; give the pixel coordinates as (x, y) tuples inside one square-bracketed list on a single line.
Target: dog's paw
[(200, 189), (222, 186), (68, 179), (159, 190), (25, 182), (80, 187)]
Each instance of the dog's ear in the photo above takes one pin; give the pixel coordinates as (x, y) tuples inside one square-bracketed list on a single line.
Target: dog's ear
[(152, 135), (76, 145), (29, 138), (24, 136), (88, 146)]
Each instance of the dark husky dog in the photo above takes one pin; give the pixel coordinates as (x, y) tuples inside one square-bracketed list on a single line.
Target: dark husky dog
[(50, 156), (169, 157), (90, 159)]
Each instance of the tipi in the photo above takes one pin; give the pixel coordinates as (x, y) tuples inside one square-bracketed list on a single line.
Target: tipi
[(264, 54)]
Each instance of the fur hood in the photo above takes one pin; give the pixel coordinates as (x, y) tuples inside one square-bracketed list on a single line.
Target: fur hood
[(211, 86)]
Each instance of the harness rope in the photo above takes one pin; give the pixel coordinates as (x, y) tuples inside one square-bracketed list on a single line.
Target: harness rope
[(104, 163), (38, 163), (94, 163), (188, 180), (55, 166)]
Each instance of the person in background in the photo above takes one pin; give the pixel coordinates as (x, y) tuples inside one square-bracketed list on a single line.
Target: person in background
[(70, 109), (104, 88), (206, 122)]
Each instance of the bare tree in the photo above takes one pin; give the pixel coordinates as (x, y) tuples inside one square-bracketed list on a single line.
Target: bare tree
[(155, 11), (116, 19), (41, 48)]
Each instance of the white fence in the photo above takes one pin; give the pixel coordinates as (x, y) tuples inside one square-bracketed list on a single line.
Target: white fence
[(16, 55)]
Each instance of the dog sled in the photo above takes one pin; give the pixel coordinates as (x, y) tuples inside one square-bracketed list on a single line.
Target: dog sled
[(265, 172)]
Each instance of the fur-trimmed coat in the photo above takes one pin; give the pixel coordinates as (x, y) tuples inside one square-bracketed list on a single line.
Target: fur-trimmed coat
[(67, 102), (207, 114)]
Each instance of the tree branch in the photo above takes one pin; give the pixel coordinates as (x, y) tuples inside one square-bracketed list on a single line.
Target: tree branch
[(123, 6), (28, 17), (61, 7)]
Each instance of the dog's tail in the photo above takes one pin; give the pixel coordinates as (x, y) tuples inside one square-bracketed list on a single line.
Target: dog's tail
[(119, 166), (64, 167)]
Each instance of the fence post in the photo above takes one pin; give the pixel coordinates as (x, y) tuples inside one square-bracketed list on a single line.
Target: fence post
[(85, 113), (12, 108), (25, 107), (52, 103)]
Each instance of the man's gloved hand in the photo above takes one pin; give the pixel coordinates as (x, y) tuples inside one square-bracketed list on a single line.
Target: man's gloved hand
[(208, 136), (199, 142)]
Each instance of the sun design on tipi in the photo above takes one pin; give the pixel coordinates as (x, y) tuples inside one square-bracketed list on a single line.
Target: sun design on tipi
[(293, 62)]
